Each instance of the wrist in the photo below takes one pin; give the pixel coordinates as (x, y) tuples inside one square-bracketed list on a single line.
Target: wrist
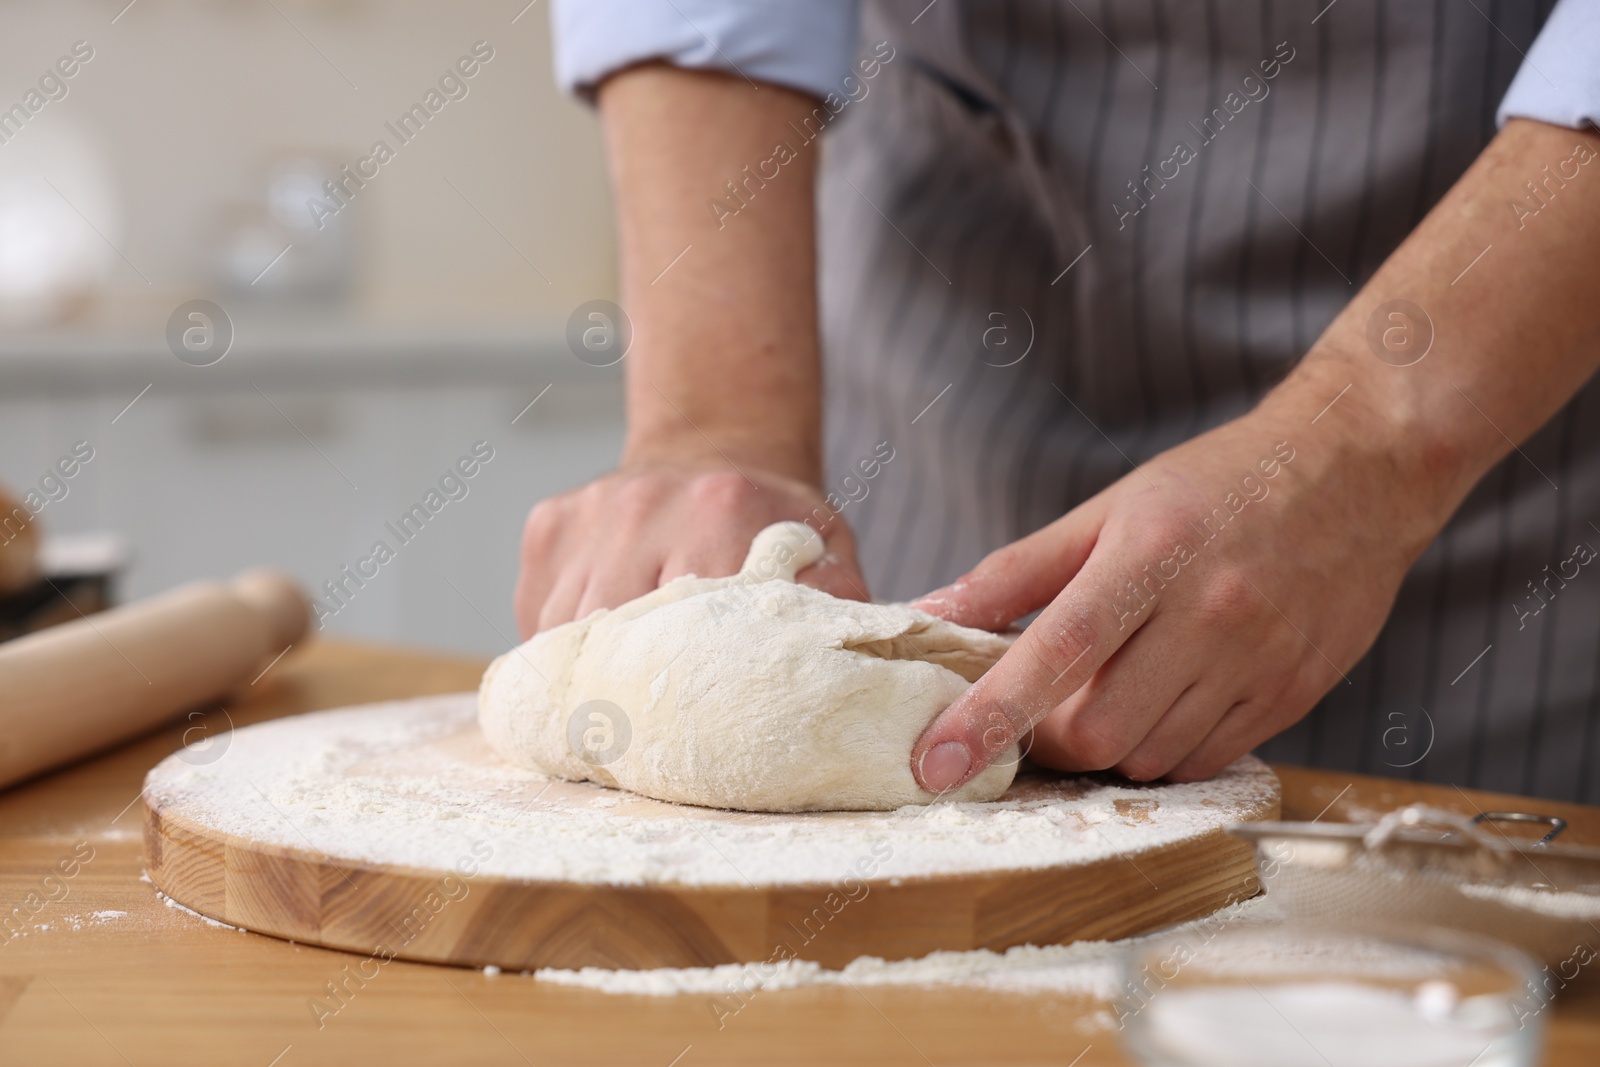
[(1439, 366), (1373, 445), (747, 448)]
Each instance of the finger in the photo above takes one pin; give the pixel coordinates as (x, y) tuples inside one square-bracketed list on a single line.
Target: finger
[(1021, 577), (1245, 726), (539, 554), (1249, 723), (562, 603), (624, 575), (837, 572), (712, 554), (1100, 724), (836, 576), (1179, 732), (1062, 650), (533, 586)]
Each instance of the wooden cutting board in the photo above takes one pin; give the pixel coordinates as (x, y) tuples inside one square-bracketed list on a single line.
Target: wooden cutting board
[(391, 830)]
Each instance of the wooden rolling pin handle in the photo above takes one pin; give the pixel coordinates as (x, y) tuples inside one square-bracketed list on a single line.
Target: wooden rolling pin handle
[(91, 683), (279, 601)]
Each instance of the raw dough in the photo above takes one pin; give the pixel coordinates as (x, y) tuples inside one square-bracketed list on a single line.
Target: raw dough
[(747, 692)]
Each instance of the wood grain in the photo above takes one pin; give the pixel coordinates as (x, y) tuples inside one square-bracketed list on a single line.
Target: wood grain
[(297, 892), (158, 986)]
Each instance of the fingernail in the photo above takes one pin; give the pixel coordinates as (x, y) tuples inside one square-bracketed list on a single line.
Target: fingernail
[(944, 765)]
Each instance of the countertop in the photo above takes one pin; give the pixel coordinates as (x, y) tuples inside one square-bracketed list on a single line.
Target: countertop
[(107, 974), (282, 350)]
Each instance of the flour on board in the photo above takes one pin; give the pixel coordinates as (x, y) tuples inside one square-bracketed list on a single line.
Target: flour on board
[(413, 783)]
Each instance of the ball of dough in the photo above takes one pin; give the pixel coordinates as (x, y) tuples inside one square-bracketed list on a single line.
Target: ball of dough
[(748, 692)]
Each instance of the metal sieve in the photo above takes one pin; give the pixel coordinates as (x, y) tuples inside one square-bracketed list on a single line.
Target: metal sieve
[(1423, 866)]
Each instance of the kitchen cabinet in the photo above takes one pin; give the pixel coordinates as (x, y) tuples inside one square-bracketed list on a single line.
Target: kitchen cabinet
[(298, 448)]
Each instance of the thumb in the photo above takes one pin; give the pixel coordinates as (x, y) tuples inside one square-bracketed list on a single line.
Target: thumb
[(1057, 654), (1020, 578)]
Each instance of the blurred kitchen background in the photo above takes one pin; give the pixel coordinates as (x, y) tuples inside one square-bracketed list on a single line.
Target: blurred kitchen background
[(175, 165)]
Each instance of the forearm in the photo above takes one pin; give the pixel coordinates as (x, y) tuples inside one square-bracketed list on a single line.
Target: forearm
[(1515, 334), (725, 361)]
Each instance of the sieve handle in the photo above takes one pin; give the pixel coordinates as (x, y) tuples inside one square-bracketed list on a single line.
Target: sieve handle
[(1555, 822)]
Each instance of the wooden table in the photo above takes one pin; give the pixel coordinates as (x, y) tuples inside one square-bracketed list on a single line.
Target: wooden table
[(142, 983)]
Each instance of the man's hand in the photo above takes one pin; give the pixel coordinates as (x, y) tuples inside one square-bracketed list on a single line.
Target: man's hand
[(621, 536), (1195, 608), (1170, 647), (724, 377)]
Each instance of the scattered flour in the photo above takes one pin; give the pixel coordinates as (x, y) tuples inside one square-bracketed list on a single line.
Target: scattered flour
[(94, 918), (414, 783), (175, 906), (67, 922), (121, 833), (1085, 968)]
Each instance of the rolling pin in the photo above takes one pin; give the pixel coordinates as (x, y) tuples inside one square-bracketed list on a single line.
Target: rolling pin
[(88, 684), (19, 545)]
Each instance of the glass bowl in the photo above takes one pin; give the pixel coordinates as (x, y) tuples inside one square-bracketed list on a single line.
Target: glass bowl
[(1287, 994)]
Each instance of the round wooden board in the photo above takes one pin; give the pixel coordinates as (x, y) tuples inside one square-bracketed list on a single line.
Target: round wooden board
[(391, 830)]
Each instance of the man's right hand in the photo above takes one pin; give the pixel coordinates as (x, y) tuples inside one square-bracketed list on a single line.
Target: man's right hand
[(623, 535)]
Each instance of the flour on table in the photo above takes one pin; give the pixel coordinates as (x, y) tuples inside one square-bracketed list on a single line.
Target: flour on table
[(1084, 968), (93, 918), (208, 920), (749, 692)]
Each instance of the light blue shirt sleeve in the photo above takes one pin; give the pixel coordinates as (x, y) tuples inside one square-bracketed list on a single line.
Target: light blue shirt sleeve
[(801, 44), (1559, 80)]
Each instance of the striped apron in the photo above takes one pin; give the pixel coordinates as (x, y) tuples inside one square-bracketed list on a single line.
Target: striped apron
[(1027, 287)]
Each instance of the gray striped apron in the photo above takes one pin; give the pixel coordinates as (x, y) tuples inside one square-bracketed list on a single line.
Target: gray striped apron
[(1004, 139)]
